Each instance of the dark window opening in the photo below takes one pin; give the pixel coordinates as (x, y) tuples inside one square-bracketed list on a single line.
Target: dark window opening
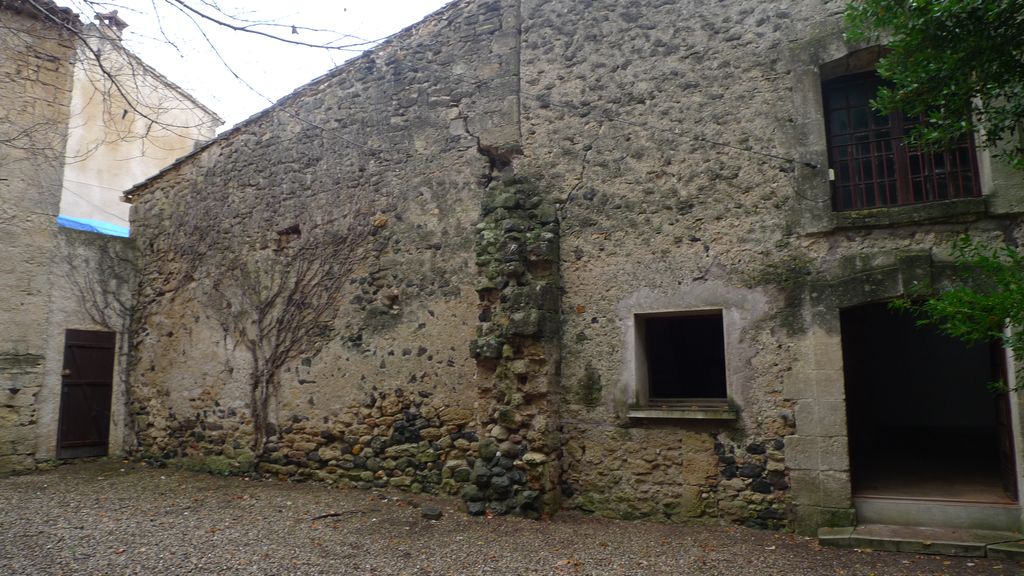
[(871, 162), (685, 356)]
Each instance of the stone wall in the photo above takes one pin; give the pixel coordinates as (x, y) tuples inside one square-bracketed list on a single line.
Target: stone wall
[(35, 89), (402, 141), (623, 104), (617, 100), (539, 173)]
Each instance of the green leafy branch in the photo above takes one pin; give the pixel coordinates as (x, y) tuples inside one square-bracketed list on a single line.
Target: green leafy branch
[(986, 303), (959, 63)]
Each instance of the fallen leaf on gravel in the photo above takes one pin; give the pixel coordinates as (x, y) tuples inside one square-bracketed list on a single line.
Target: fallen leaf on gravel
[(569, 562)]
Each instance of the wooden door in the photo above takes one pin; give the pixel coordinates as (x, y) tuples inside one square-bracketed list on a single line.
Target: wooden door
[(86, 386)]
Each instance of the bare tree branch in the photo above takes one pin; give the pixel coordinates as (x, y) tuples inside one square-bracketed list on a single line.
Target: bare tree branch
[(252, 29)]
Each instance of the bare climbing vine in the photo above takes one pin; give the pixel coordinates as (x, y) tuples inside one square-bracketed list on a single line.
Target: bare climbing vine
[(280, 303)]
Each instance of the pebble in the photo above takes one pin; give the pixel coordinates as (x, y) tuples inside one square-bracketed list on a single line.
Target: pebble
[(431, 512)]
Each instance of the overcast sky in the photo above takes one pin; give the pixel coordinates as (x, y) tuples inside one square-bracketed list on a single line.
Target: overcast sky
[(169, 41)]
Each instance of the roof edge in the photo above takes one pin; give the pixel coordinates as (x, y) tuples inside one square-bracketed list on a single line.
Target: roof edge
[(130, 195), (44, 10)]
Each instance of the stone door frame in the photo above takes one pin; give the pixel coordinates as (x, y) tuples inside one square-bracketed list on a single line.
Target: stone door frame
[(817, 454)]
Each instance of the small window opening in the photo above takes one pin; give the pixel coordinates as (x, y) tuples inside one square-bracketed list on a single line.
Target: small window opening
[(286, 236), (682, 356)]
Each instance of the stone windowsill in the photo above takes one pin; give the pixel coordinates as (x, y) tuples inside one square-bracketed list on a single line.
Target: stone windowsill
[(911, 214), (681, 411)]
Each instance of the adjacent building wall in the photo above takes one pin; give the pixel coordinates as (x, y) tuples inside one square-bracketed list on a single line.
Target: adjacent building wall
[(127, 123), (93, 278), (35, 90), (54, 279)]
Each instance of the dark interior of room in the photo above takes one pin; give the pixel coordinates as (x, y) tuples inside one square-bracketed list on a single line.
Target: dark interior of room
[(922, 420)]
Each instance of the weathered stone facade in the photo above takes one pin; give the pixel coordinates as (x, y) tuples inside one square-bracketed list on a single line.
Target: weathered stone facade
[(406, 315), (537, 174)]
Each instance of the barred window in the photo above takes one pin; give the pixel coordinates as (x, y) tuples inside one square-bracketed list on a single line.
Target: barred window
[(872, 164)]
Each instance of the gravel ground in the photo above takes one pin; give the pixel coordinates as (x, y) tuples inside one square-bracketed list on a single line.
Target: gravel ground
[(121, 518)]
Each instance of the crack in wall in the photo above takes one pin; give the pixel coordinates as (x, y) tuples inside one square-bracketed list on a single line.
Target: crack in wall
[(581, 177)]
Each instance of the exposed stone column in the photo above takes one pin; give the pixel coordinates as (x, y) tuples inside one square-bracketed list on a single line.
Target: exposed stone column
[(517, 347)]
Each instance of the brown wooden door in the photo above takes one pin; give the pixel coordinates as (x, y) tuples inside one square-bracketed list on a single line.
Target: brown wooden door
[(86, 385)]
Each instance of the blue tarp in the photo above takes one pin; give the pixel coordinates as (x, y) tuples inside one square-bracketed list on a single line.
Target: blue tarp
[(90, 225)]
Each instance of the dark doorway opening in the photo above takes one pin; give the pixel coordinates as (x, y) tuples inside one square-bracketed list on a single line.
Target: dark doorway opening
[(922, 420), (86, 386)]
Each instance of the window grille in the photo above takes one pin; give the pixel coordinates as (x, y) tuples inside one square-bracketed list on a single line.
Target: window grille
[(872, 164)]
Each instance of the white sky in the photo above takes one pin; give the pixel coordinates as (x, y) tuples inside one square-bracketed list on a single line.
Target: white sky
[(272, 68)]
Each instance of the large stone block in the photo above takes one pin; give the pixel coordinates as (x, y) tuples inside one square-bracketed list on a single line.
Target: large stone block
[(803, 452), (826, 352), (807, 520), (805, 382), (798, 384), (836, 490), (805, 487), (831, 417), (816, 417), (829, 384), (834, 454)]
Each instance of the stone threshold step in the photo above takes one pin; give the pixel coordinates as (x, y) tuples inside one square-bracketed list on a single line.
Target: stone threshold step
[(1002, 516), (924, 540)]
